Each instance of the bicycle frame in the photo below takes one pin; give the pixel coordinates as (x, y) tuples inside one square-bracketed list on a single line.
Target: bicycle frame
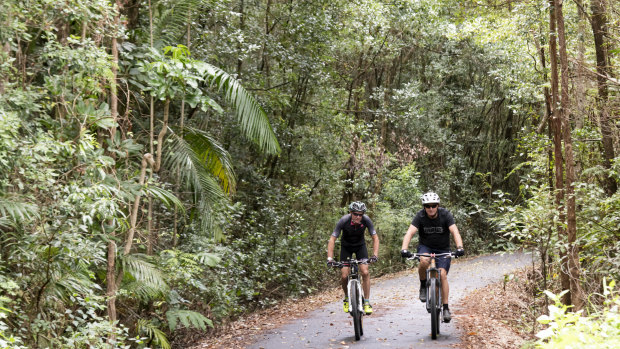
[(353, 284), (433, 274), (355, 294), (434, 302)]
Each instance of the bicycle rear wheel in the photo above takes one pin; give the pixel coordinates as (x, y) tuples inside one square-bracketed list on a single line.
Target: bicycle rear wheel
[(355, 312), (432, 298)]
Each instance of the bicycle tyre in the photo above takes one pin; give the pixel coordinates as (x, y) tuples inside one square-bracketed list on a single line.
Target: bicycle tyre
[(355, 312), (362, 319), (432, 297), (439, 306)]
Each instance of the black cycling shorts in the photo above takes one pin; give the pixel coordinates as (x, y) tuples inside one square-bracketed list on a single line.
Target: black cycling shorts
[(440, 262), (347, 252)]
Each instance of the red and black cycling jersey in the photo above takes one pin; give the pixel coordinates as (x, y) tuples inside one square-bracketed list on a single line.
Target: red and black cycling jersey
[(353, 234), (434, 233)]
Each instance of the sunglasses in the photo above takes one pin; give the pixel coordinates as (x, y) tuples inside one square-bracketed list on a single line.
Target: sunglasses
[(357, 214), (430, 205)]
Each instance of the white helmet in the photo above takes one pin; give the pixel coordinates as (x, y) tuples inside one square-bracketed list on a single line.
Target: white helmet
[(430, 198)]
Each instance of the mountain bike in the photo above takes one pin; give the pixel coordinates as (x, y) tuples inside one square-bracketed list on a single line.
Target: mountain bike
[(434, 303), (354, 291)]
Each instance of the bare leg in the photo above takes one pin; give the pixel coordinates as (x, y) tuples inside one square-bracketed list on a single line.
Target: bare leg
[(445, 288), (424, 262), (344, 279), (365, 280)]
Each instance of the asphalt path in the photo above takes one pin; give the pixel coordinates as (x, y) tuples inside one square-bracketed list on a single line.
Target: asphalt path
[(399, 320)]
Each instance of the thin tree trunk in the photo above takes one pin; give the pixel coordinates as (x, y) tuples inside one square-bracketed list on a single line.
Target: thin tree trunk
[(577, 298), (111, 286), (557, 150), (147, 159), (111, 282), (149, 230), (581, 80), (150, 241), (241, 28), (162, 133), (177, 185), (599, 28)]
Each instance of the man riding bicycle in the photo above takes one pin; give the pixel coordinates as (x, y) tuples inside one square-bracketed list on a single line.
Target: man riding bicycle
[(435, 225), (353, 226)]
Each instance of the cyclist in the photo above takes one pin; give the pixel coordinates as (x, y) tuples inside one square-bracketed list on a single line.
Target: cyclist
[(435, 225), (353, 226)]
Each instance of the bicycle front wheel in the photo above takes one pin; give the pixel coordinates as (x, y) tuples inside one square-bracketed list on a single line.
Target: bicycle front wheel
[(355, 312), (432, 298), (439, 305)]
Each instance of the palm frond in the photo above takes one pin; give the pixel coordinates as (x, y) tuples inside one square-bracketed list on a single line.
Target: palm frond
[(198, 151), (171, 18), (138, 266), (188, 318), (5, 222), (251, 117), (143, 291), (206, 258), (165, 196), (13, 208), (153, 333), (206, 170), (62, 287)]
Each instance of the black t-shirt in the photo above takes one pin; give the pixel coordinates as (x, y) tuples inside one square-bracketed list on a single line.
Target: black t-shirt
[(434, 233), (353, 234)]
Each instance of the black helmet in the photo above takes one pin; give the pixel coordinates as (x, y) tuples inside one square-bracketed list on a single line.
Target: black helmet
[(357, 206)]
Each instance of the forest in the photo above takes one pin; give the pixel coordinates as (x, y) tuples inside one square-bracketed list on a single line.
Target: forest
[(172, 165)]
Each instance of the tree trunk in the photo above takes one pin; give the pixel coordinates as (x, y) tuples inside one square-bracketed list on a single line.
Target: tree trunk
[(177, 184), (241, 28), (577, 298), (111, 284), (147, 159), (599, 28), (557, 150)]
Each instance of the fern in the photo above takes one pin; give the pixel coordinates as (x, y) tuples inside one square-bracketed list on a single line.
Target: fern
[(187, 318), (153, 333)]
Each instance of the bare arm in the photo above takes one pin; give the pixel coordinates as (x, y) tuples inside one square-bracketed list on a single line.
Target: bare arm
[(375, 245), (330, 246), (456, 235), (407, 239)]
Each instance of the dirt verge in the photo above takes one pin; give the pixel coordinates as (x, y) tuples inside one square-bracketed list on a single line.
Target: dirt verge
[(499, 315)]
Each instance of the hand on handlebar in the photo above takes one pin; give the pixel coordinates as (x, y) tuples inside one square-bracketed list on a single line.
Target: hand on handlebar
[(460, 252), (373, 259), (406, 254), (331, 262)]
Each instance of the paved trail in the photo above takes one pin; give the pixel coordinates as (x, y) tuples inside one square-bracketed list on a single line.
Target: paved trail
[(400, 320)]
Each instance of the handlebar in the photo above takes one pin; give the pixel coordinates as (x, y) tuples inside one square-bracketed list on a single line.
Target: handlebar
[(416, 256), (348, 263)]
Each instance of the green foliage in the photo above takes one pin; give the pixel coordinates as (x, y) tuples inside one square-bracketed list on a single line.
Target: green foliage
[(342, 100), (565, 329), (153, 332), (187, 318)]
